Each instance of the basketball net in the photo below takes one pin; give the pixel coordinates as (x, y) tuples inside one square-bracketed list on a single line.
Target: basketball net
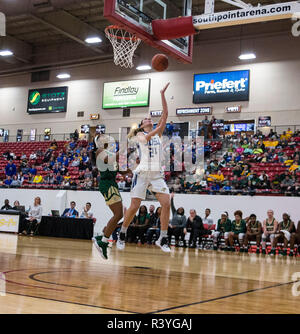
[(124, 45)]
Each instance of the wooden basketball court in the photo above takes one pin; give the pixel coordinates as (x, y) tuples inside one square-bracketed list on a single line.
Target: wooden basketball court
[(51, 275)]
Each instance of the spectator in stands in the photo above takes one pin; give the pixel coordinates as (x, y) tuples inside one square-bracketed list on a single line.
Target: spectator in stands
[(15, 182), (270, 226), (204, 127), (87, 184), (177, 186), (75, 135), (58, 178), (53, 145), (7, 181), (38, 179), (75, 162), (238, 230), (139, 226), (87, 213), (33, 170), (71, 212), (222, 231), (121, 183), (50, 179), (34, 218), (283, 235), (10, 169), (177, 223), (253, 232), (32, 156), (154, 225), (6, 205)]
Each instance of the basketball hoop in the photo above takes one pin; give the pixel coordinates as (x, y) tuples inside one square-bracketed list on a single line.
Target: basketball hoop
[(124, 44)]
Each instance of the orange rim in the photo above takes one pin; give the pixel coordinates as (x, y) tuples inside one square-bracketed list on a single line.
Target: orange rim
[(134, 38)]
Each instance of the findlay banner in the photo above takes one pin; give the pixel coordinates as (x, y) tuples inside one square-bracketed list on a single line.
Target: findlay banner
[(121, 94)]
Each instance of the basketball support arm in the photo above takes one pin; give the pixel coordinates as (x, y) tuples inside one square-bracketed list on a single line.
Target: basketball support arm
[(189, 25)]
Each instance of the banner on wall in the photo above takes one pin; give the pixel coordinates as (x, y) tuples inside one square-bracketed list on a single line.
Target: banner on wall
[(235, 109), (221, 87), (100, 128), (19, 135), (5, 136), (194, 111), (264, 121), (155, 113), (126, 94), (47, 100), (47, 134), (32, 134)]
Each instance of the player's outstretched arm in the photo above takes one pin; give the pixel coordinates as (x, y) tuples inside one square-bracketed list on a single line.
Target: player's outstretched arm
[(163, 120)]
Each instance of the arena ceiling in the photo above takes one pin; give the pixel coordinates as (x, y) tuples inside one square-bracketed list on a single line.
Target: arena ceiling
[(45, 34)]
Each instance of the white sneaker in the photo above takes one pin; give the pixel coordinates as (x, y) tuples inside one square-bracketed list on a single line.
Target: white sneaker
[(121, 241), (163, 244)]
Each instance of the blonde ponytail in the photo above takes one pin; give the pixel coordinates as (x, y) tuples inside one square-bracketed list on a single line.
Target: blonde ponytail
[(133, 132)]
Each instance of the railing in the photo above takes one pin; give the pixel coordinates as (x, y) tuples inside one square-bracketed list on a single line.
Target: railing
[(237, 192)]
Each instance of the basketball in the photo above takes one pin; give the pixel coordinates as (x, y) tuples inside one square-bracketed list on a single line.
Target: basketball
[(160, 62)]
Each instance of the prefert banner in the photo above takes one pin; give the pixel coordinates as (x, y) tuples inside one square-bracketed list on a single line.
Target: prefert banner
[(125, 94), (221, 87), (47, 100)]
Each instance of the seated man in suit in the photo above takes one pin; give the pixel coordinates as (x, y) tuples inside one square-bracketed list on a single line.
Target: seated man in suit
[(71, 212)]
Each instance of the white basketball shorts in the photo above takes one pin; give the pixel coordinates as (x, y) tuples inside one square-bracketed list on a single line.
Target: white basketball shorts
[(143, 181)]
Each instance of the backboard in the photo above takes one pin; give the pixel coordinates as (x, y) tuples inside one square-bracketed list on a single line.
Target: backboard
[(136, 17)]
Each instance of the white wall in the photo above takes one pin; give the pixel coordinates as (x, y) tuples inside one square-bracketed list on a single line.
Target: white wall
[(218, 204), (274, 88)]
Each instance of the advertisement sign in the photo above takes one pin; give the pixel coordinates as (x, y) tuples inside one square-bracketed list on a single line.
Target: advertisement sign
[(235, 109), (194, 111), (155, 113), (19, 135), (47, 100), (5, 136), (218, 124), (85, 129), (221, 87), (122, 94), (264, 121), (32, 134), (100, 129), (47, 134), (9, 223)]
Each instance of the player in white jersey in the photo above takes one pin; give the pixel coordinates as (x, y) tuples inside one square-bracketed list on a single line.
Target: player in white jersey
[(149, 175)]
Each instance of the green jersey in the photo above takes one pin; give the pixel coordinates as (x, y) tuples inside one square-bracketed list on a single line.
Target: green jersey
[(254, 227), (238, 227), (285, 226), (224, 226)]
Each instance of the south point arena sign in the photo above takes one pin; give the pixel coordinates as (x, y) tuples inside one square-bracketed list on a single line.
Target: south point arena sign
[(2, 24)]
